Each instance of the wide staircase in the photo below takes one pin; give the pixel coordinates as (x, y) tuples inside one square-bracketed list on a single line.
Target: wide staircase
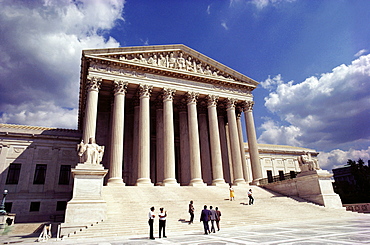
[(128, 209)]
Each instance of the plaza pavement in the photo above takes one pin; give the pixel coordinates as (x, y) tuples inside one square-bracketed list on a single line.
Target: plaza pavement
[(354, 230)]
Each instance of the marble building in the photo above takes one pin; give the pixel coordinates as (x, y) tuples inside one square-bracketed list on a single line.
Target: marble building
[(166, 115)]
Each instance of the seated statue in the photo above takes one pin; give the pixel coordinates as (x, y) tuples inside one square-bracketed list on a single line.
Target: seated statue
[(90, 153), (307, 163)]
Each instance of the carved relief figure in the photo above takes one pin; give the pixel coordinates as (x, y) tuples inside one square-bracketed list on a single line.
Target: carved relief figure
[(90, 153), (153, 60), (142, 59), (181, 62), (208, 71), (189, 64), (172, 62), (162, 61), (307, 163)]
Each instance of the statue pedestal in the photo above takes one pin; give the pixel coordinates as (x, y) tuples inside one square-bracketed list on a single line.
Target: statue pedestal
[(316, 186), (87, 205)]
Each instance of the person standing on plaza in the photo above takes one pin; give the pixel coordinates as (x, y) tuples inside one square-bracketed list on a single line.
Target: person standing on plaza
[(191, 212), (232, 194), (162, 222), (150, 222), (213, 219), (251, 199), (218, 218), (204, 216)]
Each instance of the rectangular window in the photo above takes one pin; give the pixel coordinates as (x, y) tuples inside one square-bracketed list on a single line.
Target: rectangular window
[(61, 205), (13, 174), (35, 207), (281, 175), (8, 207), (65, 174), (270, 179), (292, 174), (40, 174)]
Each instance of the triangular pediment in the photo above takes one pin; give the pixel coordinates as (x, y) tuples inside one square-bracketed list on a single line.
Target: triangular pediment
[(172, 58)]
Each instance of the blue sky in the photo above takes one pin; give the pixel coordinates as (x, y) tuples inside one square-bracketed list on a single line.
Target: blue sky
[(311, 58)]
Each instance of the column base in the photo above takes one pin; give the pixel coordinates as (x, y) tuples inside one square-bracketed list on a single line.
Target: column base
[(239, 182), (219, 182), (197, 182), (144, 182), (115, 182), (170, 182), (255, 182)]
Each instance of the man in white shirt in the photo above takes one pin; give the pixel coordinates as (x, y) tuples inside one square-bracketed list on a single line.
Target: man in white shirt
[(151, 217), (162, 222)]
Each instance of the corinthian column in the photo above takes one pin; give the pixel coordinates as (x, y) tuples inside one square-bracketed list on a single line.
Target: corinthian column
[(169, 138), (241, 142), (214, 135), (91, 109), (144, 137), (252, 142), (116, 153), (195, 163), (234, 143)]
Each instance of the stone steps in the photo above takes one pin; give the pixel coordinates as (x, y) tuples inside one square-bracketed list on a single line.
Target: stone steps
[(128, 208)]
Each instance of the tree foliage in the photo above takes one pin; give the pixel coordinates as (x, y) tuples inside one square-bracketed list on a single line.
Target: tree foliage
[(357, 191)]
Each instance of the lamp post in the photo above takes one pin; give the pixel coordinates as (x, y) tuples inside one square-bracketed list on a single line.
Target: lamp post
[(2, 205)]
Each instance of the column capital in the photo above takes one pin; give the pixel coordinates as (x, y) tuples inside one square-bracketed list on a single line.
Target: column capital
[(248, 106), (120, 87), (93, 83), (168, 94), (212, 100), (145, 90), (230, 104), (191, 97)]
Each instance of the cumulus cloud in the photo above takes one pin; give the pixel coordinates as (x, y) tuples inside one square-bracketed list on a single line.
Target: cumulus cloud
[(40, 52), (326, 113), (338, 158)]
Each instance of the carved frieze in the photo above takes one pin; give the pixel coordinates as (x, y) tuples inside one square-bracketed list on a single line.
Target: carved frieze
[(175, 60)]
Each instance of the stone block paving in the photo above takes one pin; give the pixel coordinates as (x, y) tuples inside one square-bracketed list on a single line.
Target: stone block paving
[(334, 231)]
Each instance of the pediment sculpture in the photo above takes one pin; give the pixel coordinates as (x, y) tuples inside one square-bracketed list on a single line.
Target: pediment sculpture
[(175, 60)]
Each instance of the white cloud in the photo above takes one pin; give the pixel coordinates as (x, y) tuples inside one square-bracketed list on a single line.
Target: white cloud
[(209, 9), (361, 52), (224, 25), (324, 113), (40, 52), (338, 158), (260, 4)]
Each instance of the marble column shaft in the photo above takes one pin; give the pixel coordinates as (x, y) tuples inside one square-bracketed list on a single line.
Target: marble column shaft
[(144, 136), (195, 162), (169, 138), (234, 143), (214, 135), (242, 148), (116, 154), (91, 109), (252, 142)]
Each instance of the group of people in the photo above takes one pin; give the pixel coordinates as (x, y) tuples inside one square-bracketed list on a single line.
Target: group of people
[(162, 222), (213, 215)]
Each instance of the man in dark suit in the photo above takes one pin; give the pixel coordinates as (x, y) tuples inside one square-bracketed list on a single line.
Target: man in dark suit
[(205, 217)]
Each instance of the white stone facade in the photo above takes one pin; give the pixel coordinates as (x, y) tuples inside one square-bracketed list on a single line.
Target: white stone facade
[(166, 115)]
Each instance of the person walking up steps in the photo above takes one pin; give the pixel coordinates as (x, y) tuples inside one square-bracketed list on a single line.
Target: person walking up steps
[(251, 199), (232, 195), (204, 216), (218, 218), (191, 212), (213, 219)]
